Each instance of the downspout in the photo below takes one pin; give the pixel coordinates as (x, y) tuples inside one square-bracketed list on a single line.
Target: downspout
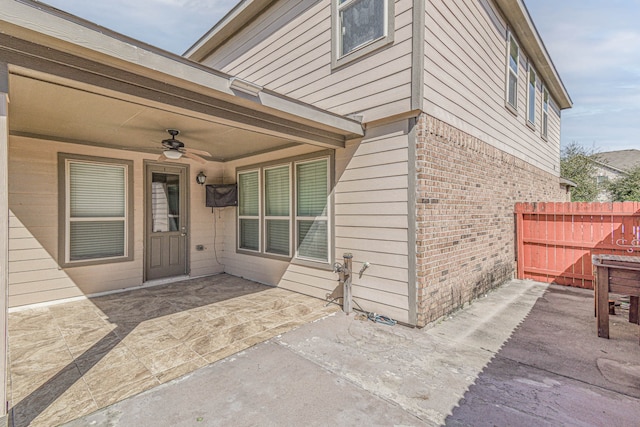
[(417, 104), (4, 236)]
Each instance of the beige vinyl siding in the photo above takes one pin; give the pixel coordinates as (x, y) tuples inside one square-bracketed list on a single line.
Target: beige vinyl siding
[(288, 49), (465, 72), (34, 273), (370, 221), (371, 218)]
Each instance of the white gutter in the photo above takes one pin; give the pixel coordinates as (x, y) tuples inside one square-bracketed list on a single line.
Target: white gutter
[(47, 26)]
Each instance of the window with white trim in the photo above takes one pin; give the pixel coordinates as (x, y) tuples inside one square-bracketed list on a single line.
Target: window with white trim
[(283, 209), (312, 191), (361, 26), (531, 96), (277, 210), (545, 113), (249, 210), (513, 59), (95, 204)]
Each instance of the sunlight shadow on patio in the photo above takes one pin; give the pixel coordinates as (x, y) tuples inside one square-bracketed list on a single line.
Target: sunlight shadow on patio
[(71, 359)]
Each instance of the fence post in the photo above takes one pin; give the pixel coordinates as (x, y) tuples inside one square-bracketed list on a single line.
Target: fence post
[(519, 241)]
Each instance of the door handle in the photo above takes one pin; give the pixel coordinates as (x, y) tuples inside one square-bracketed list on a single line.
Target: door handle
[(184, 232)]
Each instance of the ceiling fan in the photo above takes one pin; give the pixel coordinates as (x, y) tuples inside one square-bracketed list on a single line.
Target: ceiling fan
[(174, 149)]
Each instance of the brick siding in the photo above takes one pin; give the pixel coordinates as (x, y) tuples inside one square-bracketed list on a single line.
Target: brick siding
[(466, 192)]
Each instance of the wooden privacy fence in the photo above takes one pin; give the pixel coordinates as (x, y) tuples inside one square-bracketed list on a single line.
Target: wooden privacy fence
[(555, 241)]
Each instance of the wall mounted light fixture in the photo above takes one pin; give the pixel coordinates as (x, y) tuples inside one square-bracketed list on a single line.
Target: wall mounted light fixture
[(201, 178)]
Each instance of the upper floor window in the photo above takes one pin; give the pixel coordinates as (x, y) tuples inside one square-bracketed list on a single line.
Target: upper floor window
[(283, 209), (512, 73), (545, 113), (360, 26), (531, 96)]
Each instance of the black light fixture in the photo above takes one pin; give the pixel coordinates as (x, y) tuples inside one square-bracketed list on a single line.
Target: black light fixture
[(201, 178)]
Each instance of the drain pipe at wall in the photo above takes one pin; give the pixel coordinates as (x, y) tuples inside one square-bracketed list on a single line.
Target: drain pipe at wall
[(346, 275), (344, 272)]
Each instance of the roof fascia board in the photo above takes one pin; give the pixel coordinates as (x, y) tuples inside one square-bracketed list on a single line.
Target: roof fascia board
[(608, 166), (243, 13), (52, 28), (521, 23)]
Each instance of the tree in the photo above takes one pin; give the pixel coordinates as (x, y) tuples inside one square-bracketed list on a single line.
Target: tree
[(627, 187), (577, 164)]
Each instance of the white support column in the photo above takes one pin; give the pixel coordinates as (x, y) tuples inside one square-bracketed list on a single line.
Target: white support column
[(4, 236)]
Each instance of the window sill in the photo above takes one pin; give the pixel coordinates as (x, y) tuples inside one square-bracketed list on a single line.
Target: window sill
[(361, 52), (531, 126), (100, 261), (513, 110), (285, 258), (318, 265)]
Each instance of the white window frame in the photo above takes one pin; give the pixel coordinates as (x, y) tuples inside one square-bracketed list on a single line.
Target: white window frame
[(509, 72), (338, 58), (326, 217), (258, 217), (64, 163), (544, 131), (293, 217), (531, 103), (266, 217)]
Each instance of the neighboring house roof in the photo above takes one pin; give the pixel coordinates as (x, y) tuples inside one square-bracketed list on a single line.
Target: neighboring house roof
[(567, 182), (620, 160), (514, 10)]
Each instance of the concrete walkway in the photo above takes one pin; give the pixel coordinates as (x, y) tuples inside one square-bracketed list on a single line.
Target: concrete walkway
[(526, 354)]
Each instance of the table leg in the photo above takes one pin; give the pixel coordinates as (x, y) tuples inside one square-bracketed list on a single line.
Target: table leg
[(634, 302), (602, 282)]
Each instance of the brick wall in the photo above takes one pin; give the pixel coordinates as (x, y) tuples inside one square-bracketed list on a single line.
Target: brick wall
[(466, 191)]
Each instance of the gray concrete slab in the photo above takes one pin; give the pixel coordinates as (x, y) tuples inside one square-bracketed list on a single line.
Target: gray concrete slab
[(497, 362), (266, 385)]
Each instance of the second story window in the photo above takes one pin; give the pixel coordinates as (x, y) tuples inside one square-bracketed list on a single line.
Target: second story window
[(531, 97), (512, 74), (545, 113), (361, 22), (360, 26)]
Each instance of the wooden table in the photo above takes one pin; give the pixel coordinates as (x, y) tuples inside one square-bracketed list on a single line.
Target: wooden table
[(620, 275)]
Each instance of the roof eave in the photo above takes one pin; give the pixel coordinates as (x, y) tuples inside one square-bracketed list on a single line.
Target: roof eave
[(244, 12), (52, 28), (521, 23)]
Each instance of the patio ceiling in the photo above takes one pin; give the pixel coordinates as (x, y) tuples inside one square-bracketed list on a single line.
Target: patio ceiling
[(71, 80), (46, 107)]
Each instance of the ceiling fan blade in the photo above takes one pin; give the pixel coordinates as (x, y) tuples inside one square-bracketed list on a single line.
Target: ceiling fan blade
[(195, 157), (200, 152)]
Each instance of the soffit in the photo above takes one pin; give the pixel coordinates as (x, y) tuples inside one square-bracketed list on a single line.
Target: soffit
[(36, 36), (48, 108)]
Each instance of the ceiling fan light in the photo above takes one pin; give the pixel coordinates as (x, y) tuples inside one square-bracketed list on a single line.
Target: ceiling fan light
[(172, 154)]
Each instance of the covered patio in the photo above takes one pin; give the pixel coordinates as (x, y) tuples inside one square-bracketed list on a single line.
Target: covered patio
[(91, 319), (71, 359)]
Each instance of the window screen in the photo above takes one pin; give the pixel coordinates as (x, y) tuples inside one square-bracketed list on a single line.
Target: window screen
[(96, 210), (249, 211), (277, 210), (512, 73), (361, 21), (311, 209)]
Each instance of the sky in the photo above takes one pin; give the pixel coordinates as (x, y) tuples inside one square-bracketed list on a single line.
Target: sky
[(594, 44)]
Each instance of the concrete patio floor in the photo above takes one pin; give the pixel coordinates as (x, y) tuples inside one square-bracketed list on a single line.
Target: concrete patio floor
[(71, 359), (526, 354)]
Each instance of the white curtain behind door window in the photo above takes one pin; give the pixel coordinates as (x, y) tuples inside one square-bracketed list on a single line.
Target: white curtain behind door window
[(159, 207)]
